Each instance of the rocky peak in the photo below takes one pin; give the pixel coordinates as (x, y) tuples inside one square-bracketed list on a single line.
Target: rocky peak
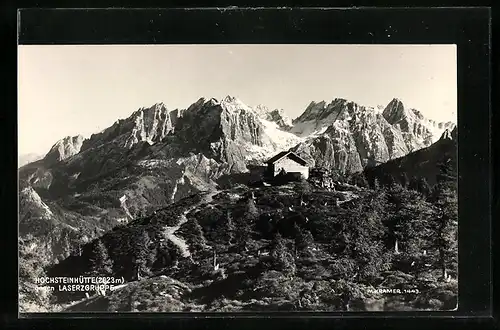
[(311, 111), (449, 134), (64, 148), (212, 101), (149, 111), (232, 132), (395, 111), (233, 104), (346, 134), (277, 116), (332, 111), (261, 110), (445, 125), (418, 114), (230, 99), (319, 115), (147, 124), (417, 131), (446, 135), (454, 133)]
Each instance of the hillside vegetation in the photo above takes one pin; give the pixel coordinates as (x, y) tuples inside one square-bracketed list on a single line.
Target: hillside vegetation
[(290, 247)]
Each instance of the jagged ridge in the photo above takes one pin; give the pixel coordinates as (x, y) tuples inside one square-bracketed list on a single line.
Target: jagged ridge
[(349, 137)]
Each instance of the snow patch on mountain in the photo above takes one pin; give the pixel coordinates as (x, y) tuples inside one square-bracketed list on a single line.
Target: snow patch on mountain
[(234, 104), (281, 140), (277, 116)]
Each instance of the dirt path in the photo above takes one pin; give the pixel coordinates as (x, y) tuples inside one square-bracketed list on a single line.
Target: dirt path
[(169, 232)]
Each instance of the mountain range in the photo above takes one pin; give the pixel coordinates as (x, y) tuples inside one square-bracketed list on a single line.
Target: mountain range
[(157, 156)]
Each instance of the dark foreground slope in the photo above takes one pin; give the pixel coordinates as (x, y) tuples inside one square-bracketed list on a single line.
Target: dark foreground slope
[(424, 163), (271, 248)]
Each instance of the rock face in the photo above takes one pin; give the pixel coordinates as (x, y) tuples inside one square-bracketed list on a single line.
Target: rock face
[(64, 148), (277, 116), (32, 208), (335, 148), (349, 137), (418, 131), (51, 230), (450, 134), (144, 125)]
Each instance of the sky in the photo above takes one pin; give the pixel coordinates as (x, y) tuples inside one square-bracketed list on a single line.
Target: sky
[(66, 90)]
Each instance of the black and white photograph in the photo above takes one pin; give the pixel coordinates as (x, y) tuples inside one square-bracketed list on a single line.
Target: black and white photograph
[(237, 178)]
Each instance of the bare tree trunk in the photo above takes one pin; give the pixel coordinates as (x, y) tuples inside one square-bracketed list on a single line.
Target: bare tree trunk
[(442, 263), (138, 272)]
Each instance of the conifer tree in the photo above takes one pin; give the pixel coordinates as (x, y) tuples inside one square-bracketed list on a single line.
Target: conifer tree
[(303, 188), (362, 234), (101, 263), (142, 255), (423, 187), (197, 232), (32, 263), (413, 184), (389, 180), (404, 180), (407, 220), (303, 238), (363, 182), (243, 233), (77, 248), (446, 219), (282, 258), (447, 175), (229, 227), (251, 210)]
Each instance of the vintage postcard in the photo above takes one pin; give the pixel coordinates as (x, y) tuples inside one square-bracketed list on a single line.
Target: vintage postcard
[(237, 178)]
